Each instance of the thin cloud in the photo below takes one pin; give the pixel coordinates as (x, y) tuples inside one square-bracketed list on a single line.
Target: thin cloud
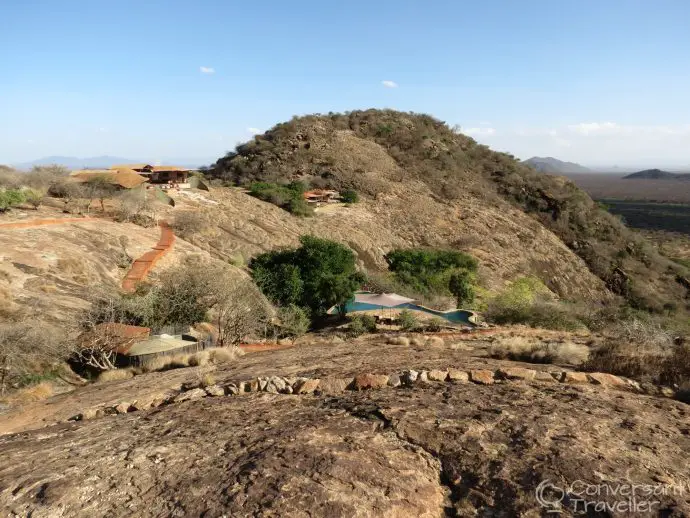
[(389, 84), (254, 131), (207, 70)]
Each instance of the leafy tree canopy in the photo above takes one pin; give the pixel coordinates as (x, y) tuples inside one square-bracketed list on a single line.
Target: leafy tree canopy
[(317, 275)]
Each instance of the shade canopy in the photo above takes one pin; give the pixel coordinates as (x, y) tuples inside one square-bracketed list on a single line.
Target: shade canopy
[(384, 300)]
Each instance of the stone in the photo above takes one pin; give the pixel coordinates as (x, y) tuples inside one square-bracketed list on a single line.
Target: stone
[(123, 407), (306, 386), (458, 376), (423, 377), (334, 385), (215, 390), (370, 381), (607, 380), (243, 386), (252, 386), (410, 377), (482, 376), (516, 373), (89, 413), (275, 384), (545, 377), (292, 380), (190, 395), (189, 385), (233, 389), (574, 378), (394, 380), (438, 375), (263, 383)]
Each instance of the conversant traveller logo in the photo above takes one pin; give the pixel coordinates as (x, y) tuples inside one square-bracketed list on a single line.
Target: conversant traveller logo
[(610, 497)]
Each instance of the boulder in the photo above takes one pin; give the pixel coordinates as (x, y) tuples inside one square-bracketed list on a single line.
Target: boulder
[(233, 389), (482, 376), (607, 380), (394, 380), (410, 377), (458, 376), (438, 375), (334, 385), (89, 413), (574, 378), (423, 377), (370, 381), (516, 373), (306, 386), (123, 407), (190, 395), (545, 377), (215, 390)]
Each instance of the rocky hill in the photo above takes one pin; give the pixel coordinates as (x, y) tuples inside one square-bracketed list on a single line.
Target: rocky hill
[(553, 165), (656, 174), (425, 184)]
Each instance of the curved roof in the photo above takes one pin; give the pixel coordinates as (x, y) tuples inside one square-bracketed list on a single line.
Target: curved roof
[(385, 300)]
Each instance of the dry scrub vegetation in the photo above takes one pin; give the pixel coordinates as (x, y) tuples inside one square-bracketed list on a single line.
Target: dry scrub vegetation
[(205, 358), (533, 350)]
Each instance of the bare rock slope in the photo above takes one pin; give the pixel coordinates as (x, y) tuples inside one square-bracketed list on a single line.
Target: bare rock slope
[(430, 449)]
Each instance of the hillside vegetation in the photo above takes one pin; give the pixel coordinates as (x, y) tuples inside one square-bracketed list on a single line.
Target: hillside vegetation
[(384, 154)]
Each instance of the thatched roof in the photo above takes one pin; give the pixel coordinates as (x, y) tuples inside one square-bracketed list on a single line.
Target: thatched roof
[(125, 178), (131, 166), (161, 168)]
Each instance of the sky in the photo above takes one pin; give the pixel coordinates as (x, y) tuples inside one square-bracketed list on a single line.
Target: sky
[(599, 82)]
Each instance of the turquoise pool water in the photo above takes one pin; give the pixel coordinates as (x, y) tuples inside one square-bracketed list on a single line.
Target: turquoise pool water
[(457, 316)]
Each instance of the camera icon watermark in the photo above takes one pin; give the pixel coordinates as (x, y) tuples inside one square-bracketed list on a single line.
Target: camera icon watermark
[(615, 498)]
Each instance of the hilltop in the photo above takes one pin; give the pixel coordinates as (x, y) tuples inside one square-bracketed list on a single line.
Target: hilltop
[(657, 174), (424, 184), (554, 166)]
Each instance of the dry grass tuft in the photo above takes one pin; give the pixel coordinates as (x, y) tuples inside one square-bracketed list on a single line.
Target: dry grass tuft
[(199, 359), (435, 341), (399, 340), (224, 354), (115, 375), (417, 341), (37, 392), (519, 348)]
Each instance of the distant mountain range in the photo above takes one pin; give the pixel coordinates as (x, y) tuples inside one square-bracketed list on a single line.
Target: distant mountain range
[(102, 162), (657, 174), (553, 165)]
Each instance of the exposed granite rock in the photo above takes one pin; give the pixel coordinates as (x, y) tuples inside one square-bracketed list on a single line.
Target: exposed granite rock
[(482, 376), (370, 381), (516, 373)]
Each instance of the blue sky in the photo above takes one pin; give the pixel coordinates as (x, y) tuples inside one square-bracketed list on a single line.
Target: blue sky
[(599, 82)]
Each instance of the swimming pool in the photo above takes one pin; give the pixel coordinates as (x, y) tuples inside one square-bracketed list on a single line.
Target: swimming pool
[(457, 316)]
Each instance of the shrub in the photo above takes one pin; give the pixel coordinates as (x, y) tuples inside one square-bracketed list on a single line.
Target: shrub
[(519, 348), (365, 323), (406, 320), (355, 328), (33, 198), (349, 196), (636, 349), (294, 321), (461, 285), (189, 222), (434, 325), (224, 354), (289, 197), (317, 275), (11, 198)]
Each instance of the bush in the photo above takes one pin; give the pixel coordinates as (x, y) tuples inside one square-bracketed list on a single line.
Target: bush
[(432, 272), (189, 222), (355, 328), (349, 196), (33, 198), (519, 348), (406, 320), (434, 325), (115, 375), (289, 197), (294, 321), (361, 324), (317, 275), (641, 350), (11, 198)]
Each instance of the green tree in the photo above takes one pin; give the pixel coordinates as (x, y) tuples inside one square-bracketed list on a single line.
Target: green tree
[(317, 275), (349, 196), (461, 285), (406, 320)]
